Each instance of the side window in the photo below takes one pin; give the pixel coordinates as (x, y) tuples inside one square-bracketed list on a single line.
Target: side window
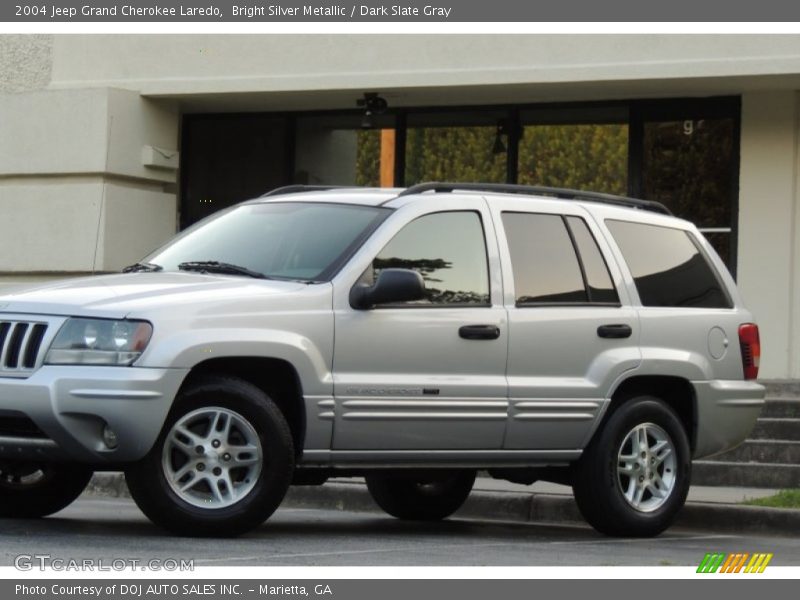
[(668, 267), (546, 268), (598, 279), (449, 250)]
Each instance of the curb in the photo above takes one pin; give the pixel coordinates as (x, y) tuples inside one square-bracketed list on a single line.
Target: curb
[(517, 507)]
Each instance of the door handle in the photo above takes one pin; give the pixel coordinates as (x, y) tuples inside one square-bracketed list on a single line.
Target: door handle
[(479, 332), (615, 331)]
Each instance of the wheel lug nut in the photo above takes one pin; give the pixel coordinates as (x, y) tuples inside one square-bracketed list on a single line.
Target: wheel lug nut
[(644, 454), (226, 456), (217, 471), (636, 465), (199, 450), (215, 443), (201, 467), (641, 479)]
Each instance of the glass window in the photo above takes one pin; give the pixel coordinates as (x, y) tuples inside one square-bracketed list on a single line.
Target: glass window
[(579, 156), (598, 279), (285, 240), (449, 251), (690, 166), (338, 150), (461, 147), (667, 266), (543, 259), (230, 158)]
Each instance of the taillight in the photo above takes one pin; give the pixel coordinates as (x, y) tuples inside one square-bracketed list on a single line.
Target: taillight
[(751, 349)]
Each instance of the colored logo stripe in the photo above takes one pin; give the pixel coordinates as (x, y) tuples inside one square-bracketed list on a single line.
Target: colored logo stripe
[(734, 563), (711, 563), (758, 563)]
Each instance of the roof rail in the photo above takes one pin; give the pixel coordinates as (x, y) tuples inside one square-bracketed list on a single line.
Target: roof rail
[(296, 189), (510, 188)]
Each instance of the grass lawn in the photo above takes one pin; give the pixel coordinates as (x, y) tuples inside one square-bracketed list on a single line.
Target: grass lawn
[(783, 499)]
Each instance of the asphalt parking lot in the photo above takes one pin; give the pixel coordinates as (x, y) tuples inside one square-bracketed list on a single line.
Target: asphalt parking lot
[(109, 528)]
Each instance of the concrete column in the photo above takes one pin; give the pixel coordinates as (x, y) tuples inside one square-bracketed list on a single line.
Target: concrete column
[(768, 227), (794, 340), (87, 179)]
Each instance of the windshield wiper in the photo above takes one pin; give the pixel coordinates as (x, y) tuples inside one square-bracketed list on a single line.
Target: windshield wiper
[(213, 266), (142, 267)]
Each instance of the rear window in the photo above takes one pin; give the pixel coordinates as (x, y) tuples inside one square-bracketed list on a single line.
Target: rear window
[(668, 267)]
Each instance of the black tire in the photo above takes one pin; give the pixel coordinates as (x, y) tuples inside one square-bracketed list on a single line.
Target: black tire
[(598, 486), (421, 498), (261, 492), (29, 490)]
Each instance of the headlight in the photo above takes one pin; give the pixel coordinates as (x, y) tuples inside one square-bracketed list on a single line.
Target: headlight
[(99, 342)]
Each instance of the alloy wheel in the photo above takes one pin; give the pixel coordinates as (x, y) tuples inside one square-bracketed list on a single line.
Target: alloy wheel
[(646, 467), (212, 457)]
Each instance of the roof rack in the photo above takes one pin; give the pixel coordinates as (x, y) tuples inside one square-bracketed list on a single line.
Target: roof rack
[(510, 188), (295, 189)]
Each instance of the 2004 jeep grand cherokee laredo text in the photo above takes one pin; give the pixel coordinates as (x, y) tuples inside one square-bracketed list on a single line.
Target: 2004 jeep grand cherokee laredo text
[(408, 336)]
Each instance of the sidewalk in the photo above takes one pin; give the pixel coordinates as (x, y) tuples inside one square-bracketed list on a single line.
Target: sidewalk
[(709, 509), (697, 493)]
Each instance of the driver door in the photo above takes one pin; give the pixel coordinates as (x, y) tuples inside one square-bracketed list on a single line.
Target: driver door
[(427, 374)]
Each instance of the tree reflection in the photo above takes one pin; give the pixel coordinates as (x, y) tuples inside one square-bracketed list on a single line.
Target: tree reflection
[(427, 268)]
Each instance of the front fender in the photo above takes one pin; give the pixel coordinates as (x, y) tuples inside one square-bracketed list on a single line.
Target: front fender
[(311, 358)]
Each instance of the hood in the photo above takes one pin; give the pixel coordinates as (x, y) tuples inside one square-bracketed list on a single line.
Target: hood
[(116, 296)]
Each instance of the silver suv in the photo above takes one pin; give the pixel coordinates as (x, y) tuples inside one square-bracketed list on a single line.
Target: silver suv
[(412, 337)]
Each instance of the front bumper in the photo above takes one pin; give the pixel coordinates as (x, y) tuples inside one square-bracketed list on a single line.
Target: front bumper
[(71, 405), (726, 414)]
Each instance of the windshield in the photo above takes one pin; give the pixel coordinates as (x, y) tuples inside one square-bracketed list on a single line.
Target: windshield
[(282, 240)]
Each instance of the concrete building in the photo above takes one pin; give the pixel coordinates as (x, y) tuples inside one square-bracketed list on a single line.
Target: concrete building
[(110, 144)]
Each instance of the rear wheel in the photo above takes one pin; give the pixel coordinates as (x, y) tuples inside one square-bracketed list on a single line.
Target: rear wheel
[(421, 498), (634, 476), (31, 489), (222, 463)]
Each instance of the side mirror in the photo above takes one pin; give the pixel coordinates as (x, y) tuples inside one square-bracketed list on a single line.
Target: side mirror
[(393, 285)]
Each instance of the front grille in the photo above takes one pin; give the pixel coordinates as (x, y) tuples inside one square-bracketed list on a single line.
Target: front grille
[(20, 345), (19, 426)]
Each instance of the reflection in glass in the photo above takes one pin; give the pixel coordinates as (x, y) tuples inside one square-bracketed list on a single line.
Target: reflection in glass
[(543, 259), (448, 250), (598, 278), (335, 150), (460, 154), (689, 166), (667, 266), (375, 157), (285, 240), (584, 157)]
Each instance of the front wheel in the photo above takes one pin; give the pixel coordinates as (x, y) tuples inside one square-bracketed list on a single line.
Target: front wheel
[(222, 464), (633, 477), (31, 489), (421, 498)]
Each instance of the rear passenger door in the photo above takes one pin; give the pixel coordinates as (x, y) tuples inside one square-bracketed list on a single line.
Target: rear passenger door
[(572, 331)]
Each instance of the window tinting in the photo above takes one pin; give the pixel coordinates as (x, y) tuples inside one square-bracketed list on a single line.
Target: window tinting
[(448, 250), (597, 276), (667, 266), (543, 259)]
